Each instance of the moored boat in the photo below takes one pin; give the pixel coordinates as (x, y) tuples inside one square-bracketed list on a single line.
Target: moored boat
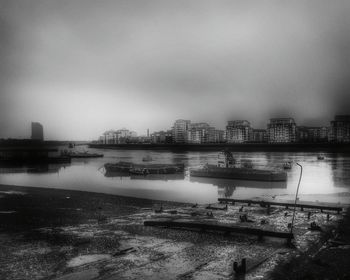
[(84, 154), (144, 169), (287, 165), (226, 169)]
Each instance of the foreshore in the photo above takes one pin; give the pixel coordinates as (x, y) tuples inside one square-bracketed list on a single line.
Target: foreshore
[(65, 234)]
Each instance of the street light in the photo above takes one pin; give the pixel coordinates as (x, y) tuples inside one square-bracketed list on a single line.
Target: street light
[(296, 196)]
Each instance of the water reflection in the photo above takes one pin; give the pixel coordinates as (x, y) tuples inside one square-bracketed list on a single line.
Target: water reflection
[(161, 177), (37, 168), (240, 183)]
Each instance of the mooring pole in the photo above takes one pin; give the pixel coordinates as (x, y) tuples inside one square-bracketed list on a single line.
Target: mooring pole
[(296, 196)]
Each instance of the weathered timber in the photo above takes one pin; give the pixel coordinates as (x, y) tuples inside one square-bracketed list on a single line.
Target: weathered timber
[(285, 204), (222, 228)]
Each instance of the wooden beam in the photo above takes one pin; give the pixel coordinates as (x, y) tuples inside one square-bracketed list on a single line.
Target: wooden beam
[(285, 204), (220, 227)]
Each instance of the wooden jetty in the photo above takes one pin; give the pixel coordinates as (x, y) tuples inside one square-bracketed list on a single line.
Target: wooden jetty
[(268, 204), (219, 227)]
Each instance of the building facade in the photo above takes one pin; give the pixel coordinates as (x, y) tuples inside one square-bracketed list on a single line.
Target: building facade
[(121, 136), (238, 131), (180, 130), (37, 131), (281, 130), (162, 137), (259, 136), (306, 134), (340, 129)]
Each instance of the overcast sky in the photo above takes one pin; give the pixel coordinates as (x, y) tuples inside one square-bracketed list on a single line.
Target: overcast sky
[(81, 67)]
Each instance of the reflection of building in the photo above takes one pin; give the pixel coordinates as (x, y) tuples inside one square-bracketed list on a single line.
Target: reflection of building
[(340, 129), (281, 130), (312, 134), (180, 129), (37, 131), (238, 131)]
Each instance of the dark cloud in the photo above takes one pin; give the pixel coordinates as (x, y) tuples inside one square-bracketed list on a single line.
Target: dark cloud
[(143, 64)]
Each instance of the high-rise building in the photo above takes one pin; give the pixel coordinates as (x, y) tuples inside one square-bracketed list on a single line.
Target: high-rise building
[(281, 130), (238, 131), (340, 129), (180, 130), (161, 137), (311, 134), (199, 133), (220, 136), (259, 136), (37, 131), (118, 136)]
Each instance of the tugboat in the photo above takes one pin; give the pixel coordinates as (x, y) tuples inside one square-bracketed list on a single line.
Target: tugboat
[(226, 168), (287, 165)]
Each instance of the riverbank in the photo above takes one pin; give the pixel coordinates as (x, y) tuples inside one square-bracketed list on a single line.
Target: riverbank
[(241, 147), (65, 234)]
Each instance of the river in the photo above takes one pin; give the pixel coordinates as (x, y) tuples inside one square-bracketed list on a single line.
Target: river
[(326, 180)]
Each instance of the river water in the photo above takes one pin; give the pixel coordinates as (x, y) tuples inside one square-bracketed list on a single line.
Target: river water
[(326, 180)]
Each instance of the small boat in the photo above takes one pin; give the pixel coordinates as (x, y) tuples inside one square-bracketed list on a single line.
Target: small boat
[(226, 169), (287, 165), (320, 157), (147, 158)]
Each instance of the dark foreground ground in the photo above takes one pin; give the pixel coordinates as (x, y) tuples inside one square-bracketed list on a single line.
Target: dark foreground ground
[(64, 234), (329, 261)]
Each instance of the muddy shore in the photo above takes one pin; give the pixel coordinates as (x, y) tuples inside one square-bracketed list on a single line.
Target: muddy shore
[(64, 234)]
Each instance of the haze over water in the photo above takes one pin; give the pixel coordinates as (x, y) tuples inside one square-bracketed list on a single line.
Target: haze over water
[(325, 180)]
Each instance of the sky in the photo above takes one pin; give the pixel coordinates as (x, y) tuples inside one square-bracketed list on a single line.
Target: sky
[(81, 67)]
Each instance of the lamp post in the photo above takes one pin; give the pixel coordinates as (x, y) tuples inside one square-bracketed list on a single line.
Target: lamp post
[(296, 195)]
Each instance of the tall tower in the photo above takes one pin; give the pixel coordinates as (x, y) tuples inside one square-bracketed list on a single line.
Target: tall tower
[(37, 131)]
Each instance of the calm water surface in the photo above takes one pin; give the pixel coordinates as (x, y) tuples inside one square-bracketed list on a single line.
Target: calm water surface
[(323, 180)]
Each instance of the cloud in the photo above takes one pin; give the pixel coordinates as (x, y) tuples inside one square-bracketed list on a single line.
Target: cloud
[(192, 59)]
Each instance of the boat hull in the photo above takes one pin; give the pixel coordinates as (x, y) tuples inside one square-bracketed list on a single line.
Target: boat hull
[(240, 174), (144, 169)]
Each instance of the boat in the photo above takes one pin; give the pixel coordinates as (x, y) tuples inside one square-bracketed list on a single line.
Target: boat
[(227, 169), (320, 157), (287, 165), (144, 169), (147, 158), (121, 166), (84, 154)]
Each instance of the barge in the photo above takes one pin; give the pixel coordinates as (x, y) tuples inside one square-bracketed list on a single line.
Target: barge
[(227, 169), (144, 169), (81, 154)]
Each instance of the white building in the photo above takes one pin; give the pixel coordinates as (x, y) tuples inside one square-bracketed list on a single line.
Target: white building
[(281, 130), (180, 130), (238, 131)]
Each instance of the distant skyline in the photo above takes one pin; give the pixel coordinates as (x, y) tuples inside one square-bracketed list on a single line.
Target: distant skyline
[(81, 67)]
